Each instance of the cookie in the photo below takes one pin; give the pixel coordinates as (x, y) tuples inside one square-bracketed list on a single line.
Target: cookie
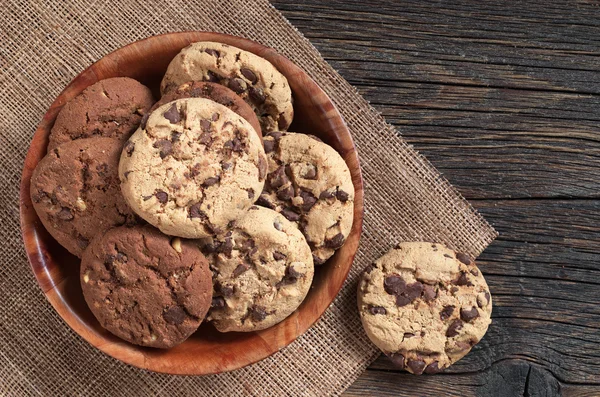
[(253, 78), (196, 167), (262, 271), (214, 92), (310, 184), (109, 108), (75, 191), (424, 305), (145, 287)]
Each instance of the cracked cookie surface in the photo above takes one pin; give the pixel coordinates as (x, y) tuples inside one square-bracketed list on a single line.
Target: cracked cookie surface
[(146, 287), (262, 271), (424, 305), (253, 78), (215, 92), (310, 184), (109, 108), (75, 192), (196, 167)]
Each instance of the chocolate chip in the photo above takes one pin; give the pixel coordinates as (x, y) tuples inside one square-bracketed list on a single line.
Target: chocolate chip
[(447, 256), (402, 300), (218, 302), (257, 95), (311, 173), (146, 198), (416, 366), (277, 225), (215, 116), (282, 122), (237, 85), (225, 247), (326, 195), (144, 121), (161, 196), (206, 125), (196, 212), (468, 315), (432, 368), (342, 196), (308, 201), (317, 260), (453, 328), (429, 293), (205, 138), (269, 145), (463, 279), (474, 272), (226, 166), (250, 194), (275, 134), (377, 310), (290, 215), (464, 258), (408, 335), (165, 147), (212, 76), (397, 360), (285, 193), (82, 242), (263, 201), (65, 214), (174, 315), (290, 276), (172, 114), (249, 74), (335, 242), (394, 284), (241, 268), (129, 148), (257, 313), (414, 290), (446, 312), (212, 52), (175, 136), (263, 167), (211, 181), (278, 178)]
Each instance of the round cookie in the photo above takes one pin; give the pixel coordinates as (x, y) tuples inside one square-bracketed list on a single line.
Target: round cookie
[(213, 91), (262, 271), (253, 78), (75, 191), (109, 108), (424, 305), (196, 167), (145, 287), (309, 183)]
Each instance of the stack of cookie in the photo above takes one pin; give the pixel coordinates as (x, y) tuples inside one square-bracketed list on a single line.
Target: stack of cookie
[(200, 206)]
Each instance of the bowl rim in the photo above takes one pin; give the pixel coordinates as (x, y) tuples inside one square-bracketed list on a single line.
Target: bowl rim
[(45, 279)]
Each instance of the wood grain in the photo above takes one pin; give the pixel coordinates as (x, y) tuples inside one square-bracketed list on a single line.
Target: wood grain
[(504, 99), (207, 351)]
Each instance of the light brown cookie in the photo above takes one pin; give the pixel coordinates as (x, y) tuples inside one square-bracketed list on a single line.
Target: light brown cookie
[(75, 192), (424, 305), (262, 269), (146, 287), (310, 184), (253, 78), (196, 167), (213, 91), (110, 108)]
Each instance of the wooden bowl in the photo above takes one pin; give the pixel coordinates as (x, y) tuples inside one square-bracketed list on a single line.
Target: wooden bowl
[(207, 351)]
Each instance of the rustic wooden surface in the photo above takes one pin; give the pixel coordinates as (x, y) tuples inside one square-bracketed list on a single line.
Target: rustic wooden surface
[(504, 100)]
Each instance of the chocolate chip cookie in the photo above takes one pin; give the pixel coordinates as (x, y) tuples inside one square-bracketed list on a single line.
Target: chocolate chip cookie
[(193, 169), (424, 305), (110, 108), (213, 91), (310, 184), (262, 271), (253, 78), (75, 191), (145, 287)]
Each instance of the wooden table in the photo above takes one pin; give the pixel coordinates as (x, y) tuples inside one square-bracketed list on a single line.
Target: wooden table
[(504, 100)]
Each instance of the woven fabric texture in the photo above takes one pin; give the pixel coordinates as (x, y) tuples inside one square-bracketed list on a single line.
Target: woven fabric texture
[(44, 45)]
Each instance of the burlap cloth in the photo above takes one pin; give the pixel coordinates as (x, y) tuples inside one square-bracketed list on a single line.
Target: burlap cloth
[(43, 45)]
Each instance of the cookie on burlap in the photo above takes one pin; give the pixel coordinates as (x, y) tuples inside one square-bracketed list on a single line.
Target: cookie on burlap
[(75, 191), (213, 91), (196, 167), (262, 270), (424, 305), (109, 108), (253, 78), (146, 287), (309, 183)]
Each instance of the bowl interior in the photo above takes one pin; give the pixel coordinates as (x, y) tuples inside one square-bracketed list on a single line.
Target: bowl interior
[(207, 351)]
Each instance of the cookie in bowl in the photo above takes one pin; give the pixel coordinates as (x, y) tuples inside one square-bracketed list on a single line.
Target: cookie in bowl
[(193, 169), (253, 78), (424, 305)]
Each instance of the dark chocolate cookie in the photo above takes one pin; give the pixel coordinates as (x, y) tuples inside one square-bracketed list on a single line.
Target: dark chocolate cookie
[(75, 191), (146, 287), (110, 108)]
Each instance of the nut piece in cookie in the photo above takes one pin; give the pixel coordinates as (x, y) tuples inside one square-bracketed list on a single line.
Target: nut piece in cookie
[(75, 192), (310, 184), (146, 287), (424, 305), (111, 108), (262, 271), (251, 77), (193, 169)]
